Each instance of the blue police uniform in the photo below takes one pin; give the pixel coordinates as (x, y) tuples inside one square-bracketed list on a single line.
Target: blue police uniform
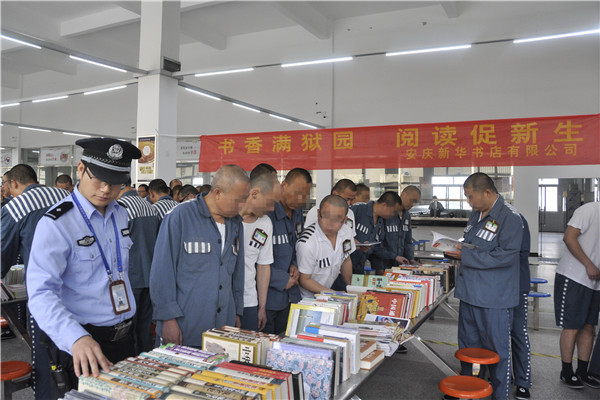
[(143, 229), (285, 234), (194, 277), (19, 218), (67, 283), (487, 286), (408, 250), (368, 231), (521, 350), (163, 206)]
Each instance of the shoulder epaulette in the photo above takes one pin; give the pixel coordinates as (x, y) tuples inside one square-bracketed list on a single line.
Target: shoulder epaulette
[(59, 210), (307, 233)]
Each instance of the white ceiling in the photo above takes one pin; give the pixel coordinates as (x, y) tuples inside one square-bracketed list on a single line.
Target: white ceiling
[(216, 35)]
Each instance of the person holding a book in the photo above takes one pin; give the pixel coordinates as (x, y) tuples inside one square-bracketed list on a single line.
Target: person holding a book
[(287, 222), (78, 268), (577, 296), (265, 191), (197, 273), (323, 249), (487, 284), (370, 231)]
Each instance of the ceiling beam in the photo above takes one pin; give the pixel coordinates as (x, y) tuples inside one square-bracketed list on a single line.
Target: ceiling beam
[(450, 8), (133, 6), (306, 16), (95, 22)]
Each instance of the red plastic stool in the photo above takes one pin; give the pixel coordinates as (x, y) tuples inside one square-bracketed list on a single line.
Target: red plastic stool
[(465, 387), (15, 375), (477, 356)]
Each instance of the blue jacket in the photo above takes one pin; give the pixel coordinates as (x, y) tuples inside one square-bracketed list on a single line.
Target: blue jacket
[(19, 219), (408, 250), (285, 234), (488, 275), (393, 238), (191, 279), (367, 230), (143, 229)]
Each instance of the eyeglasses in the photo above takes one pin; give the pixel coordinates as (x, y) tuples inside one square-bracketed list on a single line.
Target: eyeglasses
[(102, 184)]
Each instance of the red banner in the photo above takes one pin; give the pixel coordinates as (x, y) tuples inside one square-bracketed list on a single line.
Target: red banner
[(569, 140)]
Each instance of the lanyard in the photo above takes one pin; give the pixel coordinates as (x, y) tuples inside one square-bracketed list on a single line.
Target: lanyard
[(89, 224)]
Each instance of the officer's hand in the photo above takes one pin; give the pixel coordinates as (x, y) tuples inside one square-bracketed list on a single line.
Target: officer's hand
[(294, 273), (86, 351), (593, 272), (238, 321), (171, 333), (402, 260), (291, 283), (262, 318)]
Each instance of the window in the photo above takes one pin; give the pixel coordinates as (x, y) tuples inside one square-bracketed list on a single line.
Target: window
[(548, 195)]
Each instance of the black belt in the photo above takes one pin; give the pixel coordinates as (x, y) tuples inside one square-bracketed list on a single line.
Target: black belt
[(109, 333)]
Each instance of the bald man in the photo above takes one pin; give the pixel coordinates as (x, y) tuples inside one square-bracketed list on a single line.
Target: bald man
[(197, 275)]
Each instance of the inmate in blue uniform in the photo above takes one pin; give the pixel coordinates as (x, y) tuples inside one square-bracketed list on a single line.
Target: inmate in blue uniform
[(406, 239), (285, 234), (488, 287), (67, 282), (163, 206), (368, 231), (19, 218), (392, 243), (194, 277), (143, 229)]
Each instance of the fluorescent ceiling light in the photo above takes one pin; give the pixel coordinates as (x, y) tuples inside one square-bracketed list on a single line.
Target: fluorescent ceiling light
[(278, 117), (105, 90), (35, 46), (35, 151), (564, 35), (231, 71), (431, 50), (75, 134), (97, 63), (9, 105), (202, 94), (307, 125), (324, 61), (50, 99), (34, 129), (246, 107)]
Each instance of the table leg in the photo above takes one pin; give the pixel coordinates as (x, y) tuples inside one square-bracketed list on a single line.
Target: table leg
[(432, 355)]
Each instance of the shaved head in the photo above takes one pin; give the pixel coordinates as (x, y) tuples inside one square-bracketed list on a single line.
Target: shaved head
[(227, 176)]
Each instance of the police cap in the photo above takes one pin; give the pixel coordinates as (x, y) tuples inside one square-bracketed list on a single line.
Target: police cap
[(109, 159)]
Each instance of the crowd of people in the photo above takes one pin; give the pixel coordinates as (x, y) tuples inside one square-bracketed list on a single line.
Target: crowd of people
[(104, 260)]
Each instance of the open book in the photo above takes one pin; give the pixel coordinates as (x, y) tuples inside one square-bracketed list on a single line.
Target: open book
[(445, 243), (367, 244)]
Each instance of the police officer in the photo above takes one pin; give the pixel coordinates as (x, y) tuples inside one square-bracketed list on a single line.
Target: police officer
[(78, 270), (410, 196), (370, 229), (162, 203), (19, 219), (265, 191), (287, 222), (197, 274), (488, 280), (143, 229), (323, 249)]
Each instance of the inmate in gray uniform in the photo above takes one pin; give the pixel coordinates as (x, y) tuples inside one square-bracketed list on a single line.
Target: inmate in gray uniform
[(192, 279)]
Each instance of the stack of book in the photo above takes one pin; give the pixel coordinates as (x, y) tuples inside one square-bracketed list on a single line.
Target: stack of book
[(387, 333), (151, 374), (370, 355), (240, 345)]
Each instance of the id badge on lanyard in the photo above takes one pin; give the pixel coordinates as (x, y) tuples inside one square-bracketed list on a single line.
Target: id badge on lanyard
[(117, 288)]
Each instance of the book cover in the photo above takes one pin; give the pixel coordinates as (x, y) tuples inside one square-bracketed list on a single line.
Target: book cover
[(367, 348), (372, 360), (302, 315)]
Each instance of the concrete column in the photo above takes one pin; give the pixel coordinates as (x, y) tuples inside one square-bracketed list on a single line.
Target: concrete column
[(157, 92), (324, 179)]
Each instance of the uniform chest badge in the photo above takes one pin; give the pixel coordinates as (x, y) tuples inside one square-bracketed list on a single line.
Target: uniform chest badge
[(299, 228), (406, 222), (491, 226), (259, 236), (347, 245), (125, 232), (350, 223), (86, 241)]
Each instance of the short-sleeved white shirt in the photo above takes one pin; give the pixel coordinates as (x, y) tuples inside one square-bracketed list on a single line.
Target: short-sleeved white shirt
[(258, 249), (316, 256), (587, 219), (311, 218)]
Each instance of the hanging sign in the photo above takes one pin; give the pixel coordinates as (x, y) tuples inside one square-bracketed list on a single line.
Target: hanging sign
[(55, 156), (568, 140), (188, 149), (146, 165)]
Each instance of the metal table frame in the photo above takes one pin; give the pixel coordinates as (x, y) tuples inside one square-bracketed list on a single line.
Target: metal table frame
[(13, 322)]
